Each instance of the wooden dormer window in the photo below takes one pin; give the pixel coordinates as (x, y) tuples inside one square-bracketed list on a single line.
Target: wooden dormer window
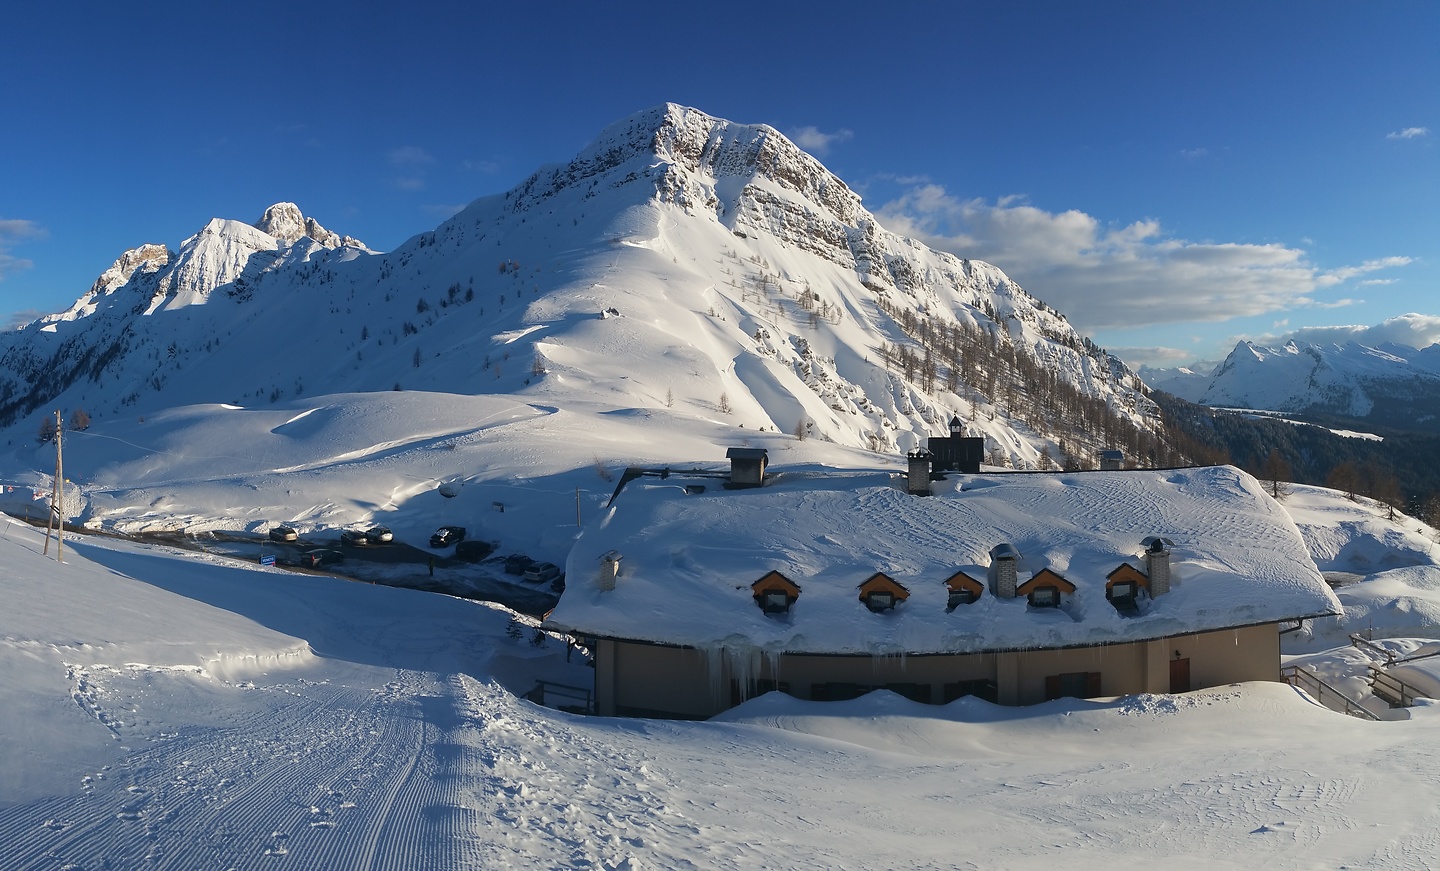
[(775, 593), (1123, 586), (1044, 589), (962, 590), (882, 593)]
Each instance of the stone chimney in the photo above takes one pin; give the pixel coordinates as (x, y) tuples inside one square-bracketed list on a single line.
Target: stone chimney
[(609, 569), (1003, 570), (1157, 564), (917, 479)]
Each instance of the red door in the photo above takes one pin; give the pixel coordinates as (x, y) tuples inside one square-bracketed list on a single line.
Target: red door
[(1180, 675)]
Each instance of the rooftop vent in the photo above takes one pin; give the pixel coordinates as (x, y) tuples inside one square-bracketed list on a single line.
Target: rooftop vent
[(917, 477)]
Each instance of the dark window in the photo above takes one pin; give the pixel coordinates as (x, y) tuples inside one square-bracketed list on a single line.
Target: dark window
[(980, 689), (880, 601), (1045, 597), (959, 597), (915, 692), (774, 602), (837, 692), (1075, 684)]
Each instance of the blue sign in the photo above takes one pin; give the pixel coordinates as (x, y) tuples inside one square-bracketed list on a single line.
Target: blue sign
[(267, 559)]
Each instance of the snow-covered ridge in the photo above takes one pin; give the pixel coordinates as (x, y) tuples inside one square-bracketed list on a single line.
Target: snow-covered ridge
[(1391, 384), (681, 265)]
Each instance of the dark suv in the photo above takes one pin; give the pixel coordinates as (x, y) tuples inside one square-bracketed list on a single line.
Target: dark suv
[(447, 535)]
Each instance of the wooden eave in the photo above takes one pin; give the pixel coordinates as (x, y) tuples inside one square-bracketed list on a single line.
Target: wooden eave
[(1044, 578), (1126, 573), (961, 581), (774, 582), (883, 583)]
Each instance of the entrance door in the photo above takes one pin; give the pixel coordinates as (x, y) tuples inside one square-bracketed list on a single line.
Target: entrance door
[(1180, 675)]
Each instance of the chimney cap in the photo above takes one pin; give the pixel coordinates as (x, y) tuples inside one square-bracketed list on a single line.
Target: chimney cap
[(1004, 551), (1157, 544)]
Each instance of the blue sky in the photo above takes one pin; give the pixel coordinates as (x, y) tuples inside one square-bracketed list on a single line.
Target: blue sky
[(1171, 176)]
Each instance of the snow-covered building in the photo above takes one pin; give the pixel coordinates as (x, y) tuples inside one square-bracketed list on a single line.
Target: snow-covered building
[(1016, 587)]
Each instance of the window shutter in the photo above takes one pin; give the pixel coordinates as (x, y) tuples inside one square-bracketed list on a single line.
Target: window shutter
[(1052, 687), (1092, 684)]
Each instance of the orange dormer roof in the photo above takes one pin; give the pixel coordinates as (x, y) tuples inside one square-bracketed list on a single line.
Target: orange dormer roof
[(1044, 578), (883, 583), (1126, 573), (774, 582), (961, 581)]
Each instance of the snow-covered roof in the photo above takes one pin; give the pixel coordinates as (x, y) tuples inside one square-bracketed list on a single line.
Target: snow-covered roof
[(689, 559)]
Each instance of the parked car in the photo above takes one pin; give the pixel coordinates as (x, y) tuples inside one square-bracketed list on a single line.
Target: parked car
[(539, 573), (473, 550), (379, 535), (283, 533), (354, 538), (447, 535), (517, 563), (312, 559)]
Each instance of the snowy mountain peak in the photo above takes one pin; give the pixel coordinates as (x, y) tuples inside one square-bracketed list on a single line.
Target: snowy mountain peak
[(680, 261), (285, 222), (147, 257), (1393, 385)]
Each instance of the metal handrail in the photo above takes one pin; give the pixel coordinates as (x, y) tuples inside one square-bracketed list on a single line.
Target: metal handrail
[(563, 691), (1295, 676), (1396, 691)]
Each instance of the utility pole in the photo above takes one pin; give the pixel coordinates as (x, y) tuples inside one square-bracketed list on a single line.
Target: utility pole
[(57, 495)]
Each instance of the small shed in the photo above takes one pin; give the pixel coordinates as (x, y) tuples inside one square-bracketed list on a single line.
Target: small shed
[(747, 467)]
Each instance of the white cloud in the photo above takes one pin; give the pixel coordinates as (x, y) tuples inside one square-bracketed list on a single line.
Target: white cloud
[(13, 231), (407, 183), (1409, 133), (1345, 273), (1415, 330), (1194, 153), (410, 156), (817, 142), (1113, 277), (16, 320)]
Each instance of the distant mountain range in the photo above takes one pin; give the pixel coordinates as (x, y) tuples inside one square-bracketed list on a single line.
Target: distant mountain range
[(680, 261), (1389, 386)]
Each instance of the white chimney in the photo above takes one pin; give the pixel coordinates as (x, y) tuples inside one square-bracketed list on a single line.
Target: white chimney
[(1157, 564), (609, 569), (1003, 570)]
